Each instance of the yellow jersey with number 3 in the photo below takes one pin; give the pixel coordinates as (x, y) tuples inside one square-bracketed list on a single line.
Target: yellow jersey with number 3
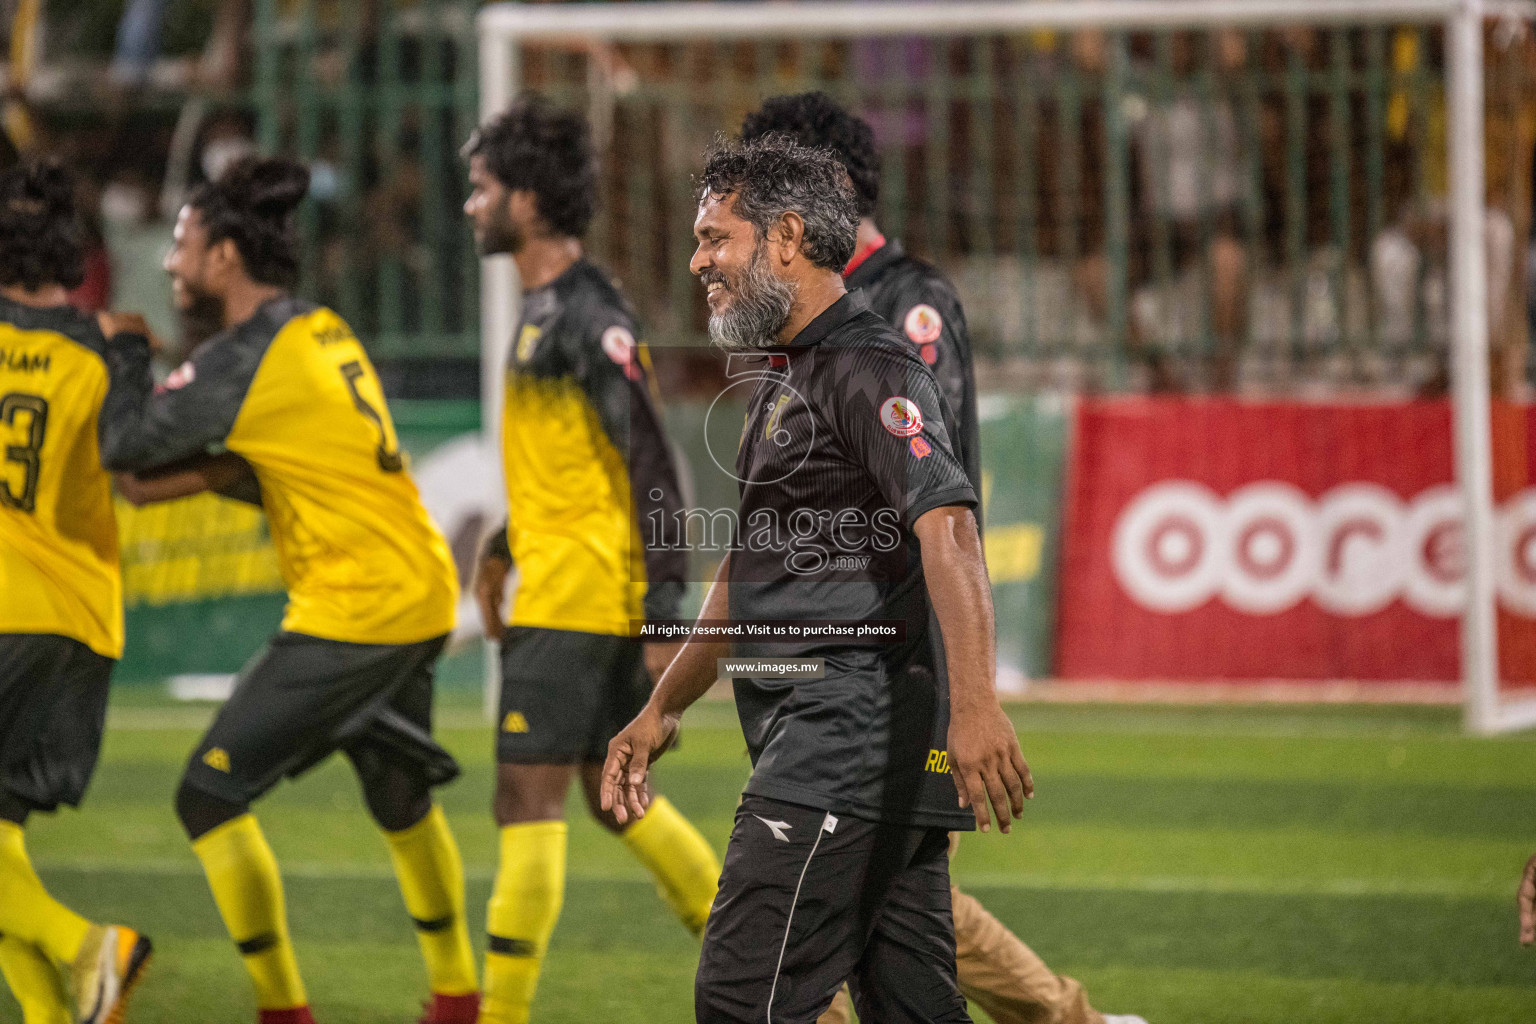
[(292, 391), (58, 537)]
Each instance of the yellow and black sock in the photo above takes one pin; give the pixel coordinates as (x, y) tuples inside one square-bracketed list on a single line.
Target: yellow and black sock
[(26, 910), (242, 872), (684, 866), (524, 907), (431, 875), (35, 981)]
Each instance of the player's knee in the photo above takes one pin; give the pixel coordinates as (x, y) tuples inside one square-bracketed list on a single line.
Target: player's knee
[(397, 795), (396, 806), (515, 805), (13, 808), (201, 813)]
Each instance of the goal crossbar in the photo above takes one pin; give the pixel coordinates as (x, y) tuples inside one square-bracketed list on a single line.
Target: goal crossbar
[(664, 21)]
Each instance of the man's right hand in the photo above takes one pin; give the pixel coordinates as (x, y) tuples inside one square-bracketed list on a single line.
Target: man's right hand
[(490, 590), (630, 756)]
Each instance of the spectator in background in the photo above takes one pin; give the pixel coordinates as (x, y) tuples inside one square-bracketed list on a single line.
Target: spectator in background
[(140, 32), (1409, 259), (1190, 170)]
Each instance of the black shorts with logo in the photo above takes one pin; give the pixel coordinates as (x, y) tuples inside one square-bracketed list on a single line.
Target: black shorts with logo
[(301, 699), (565, 694), (809, 900), (53, 706)]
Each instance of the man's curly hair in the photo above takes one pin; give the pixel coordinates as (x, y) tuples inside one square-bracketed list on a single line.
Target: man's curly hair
[(42, 241), (816, 119), (252, 204), (773, 175), (548, 151)]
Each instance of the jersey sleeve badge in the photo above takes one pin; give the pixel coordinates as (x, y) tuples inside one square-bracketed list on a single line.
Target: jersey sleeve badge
[(901, 417), (527, 341), (180, 377), (619, 345), (923, 324)]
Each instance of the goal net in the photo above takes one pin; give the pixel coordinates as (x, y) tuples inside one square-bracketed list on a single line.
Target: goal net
[(1246, 285)]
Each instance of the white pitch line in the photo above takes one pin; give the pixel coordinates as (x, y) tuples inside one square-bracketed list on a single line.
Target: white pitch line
[(1221, 885), (1280, 728)]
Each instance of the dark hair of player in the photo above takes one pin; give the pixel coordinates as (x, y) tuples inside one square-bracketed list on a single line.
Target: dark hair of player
[(772, 175), (252, 205), (816, 119), (538, 147), (42, 241)]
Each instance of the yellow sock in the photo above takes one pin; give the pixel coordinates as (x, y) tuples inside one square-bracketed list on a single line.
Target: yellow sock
[(26, 910), (35, 982), (431, 878), (525, 904), (249, 892), (686, 871)]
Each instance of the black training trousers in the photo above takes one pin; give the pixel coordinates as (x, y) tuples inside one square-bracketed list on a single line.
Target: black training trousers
[(809, 900)]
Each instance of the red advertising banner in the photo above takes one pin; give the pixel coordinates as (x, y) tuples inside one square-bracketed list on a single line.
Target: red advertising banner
[(1221, 540)]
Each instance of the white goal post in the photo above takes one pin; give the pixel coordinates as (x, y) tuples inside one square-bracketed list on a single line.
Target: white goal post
[(504, 27)]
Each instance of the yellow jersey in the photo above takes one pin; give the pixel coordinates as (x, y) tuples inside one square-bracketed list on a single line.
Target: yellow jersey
[(587, 464), (58, 537), (292, 391)]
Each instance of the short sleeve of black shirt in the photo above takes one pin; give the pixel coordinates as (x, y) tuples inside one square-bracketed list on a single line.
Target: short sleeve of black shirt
[(888, 417)]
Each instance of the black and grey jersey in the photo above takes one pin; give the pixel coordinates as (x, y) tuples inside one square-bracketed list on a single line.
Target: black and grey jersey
[(921, 303), (844, 447)]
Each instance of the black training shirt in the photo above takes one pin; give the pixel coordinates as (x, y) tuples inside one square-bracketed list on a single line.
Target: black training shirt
[(843, 448), (920, 303)]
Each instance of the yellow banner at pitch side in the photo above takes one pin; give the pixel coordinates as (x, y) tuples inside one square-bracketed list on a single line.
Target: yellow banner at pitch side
[(195, 549)]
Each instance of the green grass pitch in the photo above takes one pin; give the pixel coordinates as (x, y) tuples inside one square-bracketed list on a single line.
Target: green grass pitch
[(1196, 866)]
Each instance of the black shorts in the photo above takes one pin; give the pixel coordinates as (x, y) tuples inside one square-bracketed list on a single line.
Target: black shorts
[(301, 699), (809, 900), (565, 694), (53, 706)]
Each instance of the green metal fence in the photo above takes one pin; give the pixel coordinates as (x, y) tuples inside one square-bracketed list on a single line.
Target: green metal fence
[(378, 97), (1207, 210)]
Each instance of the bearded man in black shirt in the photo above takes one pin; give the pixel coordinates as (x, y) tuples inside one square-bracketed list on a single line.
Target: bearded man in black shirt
[(854, 507), (997, 970)]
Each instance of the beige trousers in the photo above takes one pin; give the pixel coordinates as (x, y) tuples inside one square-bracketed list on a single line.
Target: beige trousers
[(999, 974)]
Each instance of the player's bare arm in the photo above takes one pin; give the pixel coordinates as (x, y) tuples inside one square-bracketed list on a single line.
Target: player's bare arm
[(490, 584), (984, 753), (216, 473), (1527, 900), (689, 676)]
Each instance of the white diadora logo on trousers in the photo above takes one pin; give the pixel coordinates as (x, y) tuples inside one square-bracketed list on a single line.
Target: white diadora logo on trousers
[(778, 827)]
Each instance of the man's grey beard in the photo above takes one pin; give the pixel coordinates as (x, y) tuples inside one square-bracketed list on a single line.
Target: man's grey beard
[(759, 308)]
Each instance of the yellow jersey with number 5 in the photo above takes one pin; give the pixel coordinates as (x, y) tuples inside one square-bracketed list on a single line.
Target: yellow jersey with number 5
[(58, 537), (293, 392)]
